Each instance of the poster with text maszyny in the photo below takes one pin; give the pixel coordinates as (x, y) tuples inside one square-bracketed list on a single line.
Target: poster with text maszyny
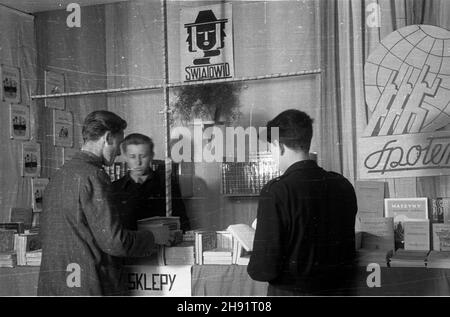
[(31, 159), (54, 84), (37, 190), (206, 42), (62, 128), (19, 122), (10, 91), (169, 280)]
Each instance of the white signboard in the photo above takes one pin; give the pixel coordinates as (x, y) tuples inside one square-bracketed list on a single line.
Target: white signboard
[(206, 43), (407, 86), (159, 280)]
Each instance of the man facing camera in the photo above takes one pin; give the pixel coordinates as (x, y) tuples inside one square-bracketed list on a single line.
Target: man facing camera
[(305, 236), (83, 240), (141, 193)]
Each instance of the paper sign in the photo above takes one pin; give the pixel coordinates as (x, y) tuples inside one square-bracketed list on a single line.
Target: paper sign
[(159, 280)]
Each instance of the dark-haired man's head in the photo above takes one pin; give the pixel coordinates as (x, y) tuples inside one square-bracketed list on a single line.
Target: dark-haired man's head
[(102, 134), (294, 137), (138, 152)]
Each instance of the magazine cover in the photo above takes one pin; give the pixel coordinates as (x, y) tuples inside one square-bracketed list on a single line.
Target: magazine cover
[(37, 190), (10, 84), (405, 210), (62, 128), (31, 159), (19, 121)]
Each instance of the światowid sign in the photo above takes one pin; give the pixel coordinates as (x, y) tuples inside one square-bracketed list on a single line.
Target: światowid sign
[(206, 43)]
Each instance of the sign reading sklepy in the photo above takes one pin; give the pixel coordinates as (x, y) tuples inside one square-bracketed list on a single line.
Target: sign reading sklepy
[(407, 86), (147, 280), (206, 43)]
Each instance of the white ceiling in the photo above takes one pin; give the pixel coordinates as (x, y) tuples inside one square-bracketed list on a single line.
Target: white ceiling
[(33, 6)]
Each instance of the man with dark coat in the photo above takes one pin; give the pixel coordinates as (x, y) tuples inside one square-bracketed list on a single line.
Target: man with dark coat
[(82, 237), (305, 235)]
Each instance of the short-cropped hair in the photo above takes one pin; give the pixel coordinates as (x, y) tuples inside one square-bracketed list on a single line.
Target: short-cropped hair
[(137, 139), (294, 129), (97, 123)]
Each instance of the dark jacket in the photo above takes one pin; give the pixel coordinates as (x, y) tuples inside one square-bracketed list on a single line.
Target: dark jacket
[(140, 201), (305, 232), (80, 228)]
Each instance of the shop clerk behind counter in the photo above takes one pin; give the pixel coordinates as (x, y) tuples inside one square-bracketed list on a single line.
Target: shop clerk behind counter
[(141, 193)]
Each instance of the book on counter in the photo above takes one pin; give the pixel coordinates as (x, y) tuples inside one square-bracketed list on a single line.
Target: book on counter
[(417, 235), (402, 210), (8, 259), (24, 215), (408, 258), (244, 234), (441, 236), (173, 223), (377, 233), (205, 240), (25, 243), (370, 198), (440, 209), (364, 257), (33, 258), (180, 254), (7, 238), (18, 227), (438, 260), (218, 256)]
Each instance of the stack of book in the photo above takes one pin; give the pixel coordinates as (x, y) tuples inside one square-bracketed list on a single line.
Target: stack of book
[(116, 171), (364, 257), (218, 256), (243, 236), (181, 254), (171, 223), (438, 260), (7, 240), (24, 243), (408, 258), (189, 236), (33, 258), (204, 241), (8, 259)]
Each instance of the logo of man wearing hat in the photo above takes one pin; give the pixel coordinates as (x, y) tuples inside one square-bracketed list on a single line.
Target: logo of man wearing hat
[(206, 34)]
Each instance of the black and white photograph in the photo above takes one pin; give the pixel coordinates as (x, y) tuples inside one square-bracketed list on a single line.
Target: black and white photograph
[(209, 149)]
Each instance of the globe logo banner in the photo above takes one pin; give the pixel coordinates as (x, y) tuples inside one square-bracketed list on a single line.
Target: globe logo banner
[(407, 88)]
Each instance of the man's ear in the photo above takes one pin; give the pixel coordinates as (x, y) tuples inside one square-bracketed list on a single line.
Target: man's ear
[(108, 138), (281, 148)]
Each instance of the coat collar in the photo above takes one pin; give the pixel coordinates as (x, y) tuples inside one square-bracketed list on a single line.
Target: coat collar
[(89, 157), (306, 164), (127, 179)]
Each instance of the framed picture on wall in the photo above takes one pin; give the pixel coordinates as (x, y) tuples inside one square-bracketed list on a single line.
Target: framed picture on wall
[(62, 128), (54, 84), (37, 190), (10, 90), (31, 159), (19, 122)]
